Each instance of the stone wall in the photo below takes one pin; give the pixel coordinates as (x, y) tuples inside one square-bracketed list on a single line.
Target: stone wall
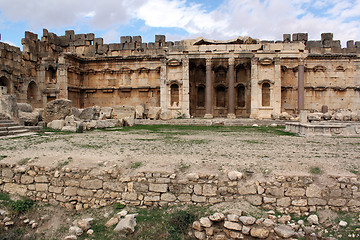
[(76, 188)]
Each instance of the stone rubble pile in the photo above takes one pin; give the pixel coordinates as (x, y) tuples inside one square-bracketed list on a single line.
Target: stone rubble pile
[(235, 224), (79, 227), (337, 115)]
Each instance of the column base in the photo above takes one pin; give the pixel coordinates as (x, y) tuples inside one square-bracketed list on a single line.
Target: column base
[(208, 115), (231, 116)]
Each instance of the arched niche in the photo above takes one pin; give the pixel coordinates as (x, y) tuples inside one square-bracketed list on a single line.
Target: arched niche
[(33, 94), (240, 98), (174, 95), (265, 94), (220, 93), (5, 84)]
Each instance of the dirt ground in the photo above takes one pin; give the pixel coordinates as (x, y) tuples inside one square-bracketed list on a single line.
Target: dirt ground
[(265, 150)]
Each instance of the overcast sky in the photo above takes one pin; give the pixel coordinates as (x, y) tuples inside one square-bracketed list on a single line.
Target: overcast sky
[(179, 19)]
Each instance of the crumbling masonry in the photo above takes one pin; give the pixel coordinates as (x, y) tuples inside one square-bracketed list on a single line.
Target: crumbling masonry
[(243, 77)]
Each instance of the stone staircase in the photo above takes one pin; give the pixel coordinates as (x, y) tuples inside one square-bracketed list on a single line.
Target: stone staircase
[(8, 128)]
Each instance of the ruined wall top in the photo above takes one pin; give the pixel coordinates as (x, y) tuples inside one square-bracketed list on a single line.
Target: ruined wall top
[(87, 45)]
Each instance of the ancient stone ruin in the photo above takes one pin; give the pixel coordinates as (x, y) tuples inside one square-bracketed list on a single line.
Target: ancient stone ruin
[(242, 77)]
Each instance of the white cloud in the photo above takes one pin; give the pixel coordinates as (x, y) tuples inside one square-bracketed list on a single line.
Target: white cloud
[(54, 13), (264, 19), (111, 36)]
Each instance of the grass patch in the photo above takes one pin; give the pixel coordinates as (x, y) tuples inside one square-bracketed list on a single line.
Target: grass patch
[(24, 161), (64, 163), (315, 170), (135, 165), (183, 166), (2, 157), (252, 141)]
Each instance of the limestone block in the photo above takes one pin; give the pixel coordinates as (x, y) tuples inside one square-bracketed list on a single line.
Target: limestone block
[(166, 115), (192, 176), (56, 124), (235, 175), (126, 224), (25, 179), (354, 203), (198, 189), (29, 118), (269, 200), (41, 187), (316, 202), (168, 197), (129, 121), (87, 114), (13, 188), (299, 202), (75, 230), (9, 107), (217, 217), (255, 200), (108, 123), (246, 230), (152, 198), (130, 196), (91, 184), (197, 198), (158, 187), (199, 235), (232, 225), (313, 219), (275, 191), (261, 233), (106, 113), (197, 226), (41, 179), (139, 111), (25, 107), (205, 222), (247, 220), (339, 202), (247, 189), (7, 173), (69, 129), (268, 223), (154, 113), (284, 231), (295, 192), (70, 191), (313, 191), (283, 202), (232, 217), (84, 193), (57, 110), (121, 112), (317, 116), (184, 197), (53, 189), (118, 187)]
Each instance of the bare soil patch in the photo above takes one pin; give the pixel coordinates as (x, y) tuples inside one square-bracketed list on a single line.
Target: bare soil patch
[(263, 150)]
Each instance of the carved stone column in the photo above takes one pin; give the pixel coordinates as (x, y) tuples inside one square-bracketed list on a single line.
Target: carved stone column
[(208, 90), (231, 106), (301, 89), (163, 92), (186, 87)]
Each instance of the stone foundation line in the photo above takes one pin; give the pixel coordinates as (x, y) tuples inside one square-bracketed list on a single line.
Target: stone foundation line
[(78, 189)]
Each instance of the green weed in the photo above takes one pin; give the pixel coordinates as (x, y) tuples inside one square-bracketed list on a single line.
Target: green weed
[(135, 165), (24, 161), (315, 170)]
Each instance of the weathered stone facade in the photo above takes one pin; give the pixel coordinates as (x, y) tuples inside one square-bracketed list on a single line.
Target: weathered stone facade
[(243, 77)]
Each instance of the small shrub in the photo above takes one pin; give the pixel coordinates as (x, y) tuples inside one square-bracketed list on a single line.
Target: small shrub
[(135, 165), (118, 206), (21, 206), (2, 157), (179, 223), (315, 170), (183, 166)]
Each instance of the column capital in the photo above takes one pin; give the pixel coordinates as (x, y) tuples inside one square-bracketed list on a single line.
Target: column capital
[(231, 61), (301, 61), (208, 60)]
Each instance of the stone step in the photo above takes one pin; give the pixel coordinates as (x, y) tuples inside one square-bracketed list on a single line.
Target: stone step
[(3, 128), (17, 131), (3, 133), (15, 127)]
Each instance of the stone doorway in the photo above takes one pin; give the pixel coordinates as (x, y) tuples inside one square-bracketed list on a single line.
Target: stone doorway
[(33, 95)]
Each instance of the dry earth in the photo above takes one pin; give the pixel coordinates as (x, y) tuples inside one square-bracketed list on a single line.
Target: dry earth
[(264, 150)]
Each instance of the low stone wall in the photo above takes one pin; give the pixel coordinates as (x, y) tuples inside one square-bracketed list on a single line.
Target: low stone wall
[(324, 129), (76, 188)]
